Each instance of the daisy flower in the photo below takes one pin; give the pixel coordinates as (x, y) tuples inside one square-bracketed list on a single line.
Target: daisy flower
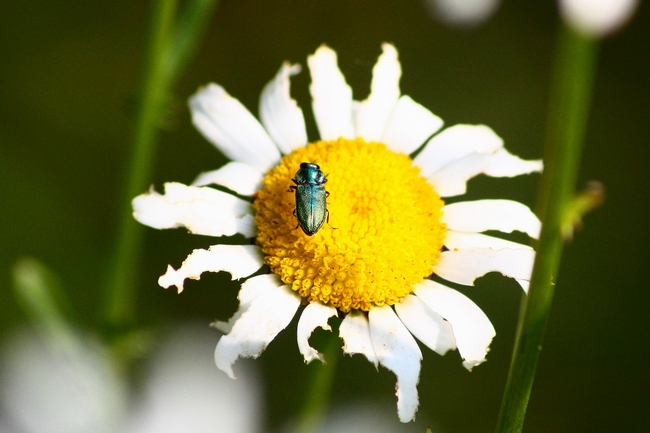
[(388, 229)]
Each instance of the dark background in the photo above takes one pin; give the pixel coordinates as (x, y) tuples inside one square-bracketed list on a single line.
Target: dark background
[(70, 73)]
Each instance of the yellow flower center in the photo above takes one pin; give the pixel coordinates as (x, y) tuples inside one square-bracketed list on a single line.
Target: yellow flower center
[(384, 232)]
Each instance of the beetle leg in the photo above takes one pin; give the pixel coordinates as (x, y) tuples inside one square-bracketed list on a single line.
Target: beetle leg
[(328, 220)]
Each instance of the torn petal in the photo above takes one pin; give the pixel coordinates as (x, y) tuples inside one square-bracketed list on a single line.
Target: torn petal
[(267, 315), (472, 328), (331, 96), (502, 215), (355, 332), (250, 289), (237, 176), (372, 115), (280, 114), (465, 266), (426, 325), (314, 315), (397, 351), (202, 210), (238, 260)]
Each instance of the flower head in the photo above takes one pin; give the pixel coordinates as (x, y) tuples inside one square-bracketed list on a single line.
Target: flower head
[(387, 230)]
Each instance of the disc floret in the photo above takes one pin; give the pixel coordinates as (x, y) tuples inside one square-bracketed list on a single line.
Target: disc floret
[(384, 233)]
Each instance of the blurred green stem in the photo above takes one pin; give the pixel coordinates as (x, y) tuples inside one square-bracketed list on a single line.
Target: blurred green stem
[(120, 305), (39, 293), (319, 387), (571, 88), (190, 26), (173, 41)]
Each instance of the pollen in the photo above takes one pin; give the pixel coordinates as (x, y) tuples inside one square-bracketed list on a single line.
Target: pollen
[(383, 235)]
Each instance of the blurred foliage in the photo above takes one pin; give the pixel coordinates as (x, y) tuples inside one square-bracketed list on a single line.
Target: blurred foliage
[(75, 69)]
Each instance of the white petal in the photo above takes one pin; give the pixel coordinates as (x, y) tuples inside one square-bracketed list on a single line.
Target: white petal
[(372, 114), (397, 351), (313, 316), (227, 124), (250, 289), (454, 143), (355, 332), (452, 179), (525, 284), (204, 211), (280, 114), (461, 240), (481, 215), (426, 325), (409, 126), (472, 328), (465, 266), (331, 96), (238, 260), (266, 316), (237, 176)]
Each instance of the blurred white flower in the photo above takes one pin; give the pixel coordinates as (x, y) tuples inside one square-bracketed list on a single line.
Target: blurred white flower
[(597, 17), (463, 12), (75, 388), (184, 393), (361, 417), (364, 417), (53, 387)]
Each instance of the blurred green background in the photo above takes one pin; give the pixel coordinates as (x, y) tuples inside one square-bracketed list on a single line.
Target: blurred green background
[(69, 81)]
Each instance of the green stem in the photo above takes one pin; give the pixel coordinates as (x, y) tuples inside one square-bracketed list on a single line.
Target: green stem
[(120, 305), (190, 26), (173, 42), (319, 387), (38, 291), (572, 81)]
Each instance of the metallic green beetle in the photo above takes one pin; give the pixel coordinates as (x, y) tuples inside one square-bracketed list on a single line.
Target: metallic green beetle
[(311, 206)]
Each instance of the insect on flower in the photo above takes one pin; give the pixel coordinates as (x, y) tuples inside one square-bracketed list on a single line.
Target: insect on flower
[(311, 207), (394, 230)]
